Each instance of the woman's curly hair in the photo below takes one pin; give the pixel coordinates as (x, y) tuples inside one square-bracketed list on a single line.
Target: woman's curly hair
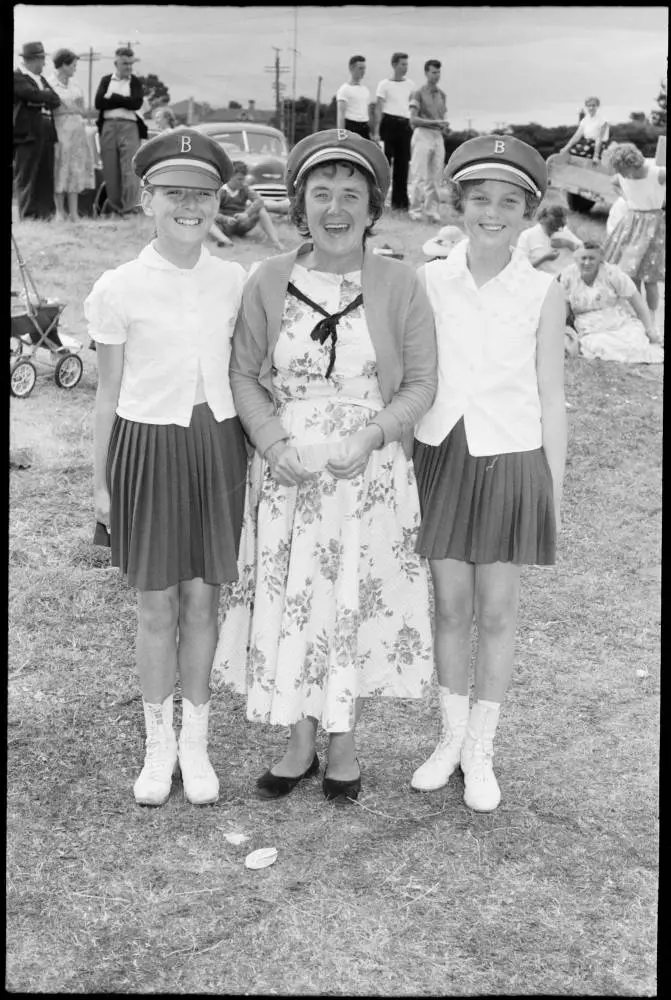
[(297, 212), (625, 154), (456, 192)]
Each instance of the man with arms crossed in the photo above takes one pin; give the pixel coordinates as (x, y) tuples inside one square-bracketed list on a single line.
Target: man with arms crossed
[(428, 107), (352, 100), (118, 99), (392, 126)]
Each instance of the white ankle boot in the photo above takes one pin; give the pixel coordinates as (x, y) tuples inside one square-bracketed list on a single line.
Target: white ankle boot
[(201, 785), (436, 771), (481, 791), (152, 788)]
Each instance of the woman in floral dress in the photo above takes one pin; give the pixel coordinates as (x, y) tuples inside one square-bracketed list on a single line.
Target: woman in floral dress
[(609, 314), (73, 154), (333, 362)]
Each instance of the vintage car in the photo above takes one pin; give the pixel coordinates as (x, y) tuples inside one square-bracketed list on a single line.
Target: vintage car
[(582, 182), (264, 150)]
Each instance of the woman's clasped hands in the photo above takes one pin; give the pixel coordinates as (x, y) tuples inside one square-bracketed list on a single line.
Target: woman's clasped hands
[(347, 461)]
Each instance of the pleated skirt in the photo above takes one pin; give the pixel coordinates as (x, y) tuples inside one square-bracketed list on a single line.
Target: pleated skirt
[(497, 508), (177, 499)]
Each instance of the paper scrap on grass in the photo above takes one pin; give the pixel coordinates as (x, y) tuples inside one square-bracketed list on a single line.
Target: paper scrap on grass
[(262, 858), (236, 838)]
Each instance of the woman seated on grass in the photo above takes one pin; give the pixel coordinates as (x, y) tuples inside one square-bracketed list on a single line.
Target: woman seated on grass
[(609, 314), (549, 244), (170, 456)]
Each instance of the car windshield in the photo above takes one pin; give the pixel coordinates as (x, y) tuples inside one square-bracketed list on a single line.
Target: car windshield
[(260, 143), (233, 140)]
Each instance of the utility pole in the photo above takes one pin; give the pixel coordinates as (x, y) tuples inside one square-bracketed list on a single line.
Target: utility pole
[(90, 57), (278, 87), (130, 45), (315, 127), (292, 132)]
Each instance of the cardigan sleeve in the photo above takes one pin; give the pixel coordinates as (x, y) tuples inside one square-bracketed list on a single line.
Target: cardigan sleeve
[(420, 365), (249, 357), (132, 103)]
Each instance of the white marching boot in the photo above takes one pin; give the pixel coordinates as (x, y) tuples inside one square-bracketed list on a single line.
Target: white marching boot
[(152, 787), (436, 771), (481, 789), (201, 785)]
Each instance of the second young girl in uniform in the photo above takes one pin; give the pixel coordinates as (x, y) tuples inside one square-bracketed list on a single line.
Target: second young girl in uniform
[(170, 457), (490, 452)]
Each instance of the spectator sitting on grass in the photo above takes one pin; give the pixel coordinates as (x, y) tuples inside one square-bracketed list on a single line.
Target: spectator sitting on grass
[(549, 244), (240, 209)]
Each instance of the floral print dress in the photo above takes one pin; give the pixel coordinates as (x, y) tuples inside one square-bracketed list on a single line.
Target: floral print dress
[(332, 601), (604, 320)]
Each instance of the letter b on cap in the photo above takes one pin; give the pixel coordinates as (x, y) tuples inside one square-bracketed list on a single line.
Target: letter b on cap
[(499, 146), (185, 144), (342, 133)]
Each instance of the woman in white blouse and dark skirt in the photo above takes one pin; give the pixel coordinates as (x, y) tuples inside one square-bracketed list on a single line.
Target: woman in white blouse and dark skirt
[(170, 455), (490, 453)]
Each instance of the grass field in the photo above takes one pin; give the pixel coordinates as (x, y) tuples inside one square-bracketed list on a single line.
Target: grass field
[(399, 894)]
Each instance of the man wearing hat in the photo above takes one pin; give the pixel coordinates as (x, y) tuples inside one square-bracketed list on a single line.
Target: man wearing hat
[(170, 456), (34, 135), (118, 99)]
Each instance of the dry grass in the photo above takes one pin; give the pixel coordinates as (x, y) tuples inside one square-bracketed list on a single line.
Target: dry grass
[(400, 894)]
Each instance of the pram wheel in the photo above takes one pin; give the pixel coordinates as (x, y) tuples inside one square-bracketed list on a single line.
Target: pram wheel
[(15, 346), (68, 371), (23, 376)]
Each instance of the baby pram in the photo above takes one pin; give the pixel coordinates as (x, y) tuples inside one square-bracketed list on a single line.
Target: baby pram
[(34, 328)]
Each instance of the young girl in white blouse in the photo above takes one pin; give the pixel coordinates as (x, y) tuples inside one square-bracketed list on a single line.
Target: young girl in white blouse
[(170, 456), (490, 453)]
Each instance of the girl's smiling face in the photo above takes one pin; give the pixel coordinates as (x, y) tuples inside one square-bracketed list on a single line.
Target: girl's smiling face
[(493, 213), (183, 215)]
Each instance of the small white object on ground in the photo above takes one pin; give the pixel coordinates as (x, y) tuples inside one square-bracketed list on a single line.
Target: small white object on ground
[(262, 858), (642, 673), (236, 838)]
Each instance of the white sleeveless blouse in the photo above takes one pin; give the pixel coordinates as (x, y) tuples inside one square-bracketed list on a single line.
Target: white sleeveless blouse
[(486, 354)]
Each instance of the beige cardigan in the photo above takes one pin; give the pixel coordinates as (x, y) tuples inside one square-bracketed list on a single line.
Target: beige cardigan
[(401, 326)]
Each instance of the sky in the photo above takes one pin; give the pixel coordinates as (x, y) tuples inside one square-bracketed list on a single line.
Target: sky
[(500, 64)]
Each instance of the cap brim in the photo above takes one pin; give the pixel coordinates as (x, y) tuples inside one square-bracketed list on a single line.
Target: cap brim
[(432, 248), (499, 172), (189, 177), (332, 153)]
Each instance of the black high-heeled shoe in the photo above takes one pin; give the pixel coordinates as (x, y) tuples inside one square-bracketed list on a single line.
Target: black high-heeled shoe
[(274, 786), (350, 787)]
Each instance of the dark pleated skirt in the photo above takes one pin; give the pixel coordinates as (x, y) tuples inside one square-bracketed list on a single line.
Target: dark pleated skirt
[(177, 499), (497, 508)]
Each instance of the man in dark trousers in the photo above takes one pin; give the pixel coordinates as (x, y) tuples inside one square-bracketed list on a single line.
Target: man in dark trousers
[(118, 99), (34, 136), (392, 126)]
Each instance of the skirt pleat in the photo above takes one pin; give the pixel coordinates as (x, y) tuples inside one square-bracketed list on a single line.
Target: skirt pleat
[(495, 508), (177, 499)]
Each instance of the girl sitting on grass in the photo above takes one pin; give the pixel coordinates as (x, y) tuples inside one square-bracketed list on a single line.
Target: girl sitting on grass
[(490, 452), (170, 457)]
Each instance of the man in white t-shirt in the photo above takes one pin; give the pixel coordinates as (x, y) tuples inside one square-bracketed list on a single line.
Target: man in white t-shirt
[(352, 100), (392, 126)]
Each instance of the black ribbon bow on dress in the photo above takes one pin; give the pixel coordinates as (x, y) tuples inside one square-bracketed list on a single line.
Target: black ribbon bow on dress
[(326, 327)]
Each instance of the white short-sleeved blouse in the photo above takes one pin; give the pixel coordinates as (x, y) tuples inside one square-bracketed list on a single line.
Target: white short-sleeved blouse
[(174, 323)]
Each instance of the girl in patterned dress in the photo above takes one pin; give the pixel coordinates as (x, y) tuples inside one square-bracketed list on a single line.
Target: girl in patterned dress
[(333, 363), (637, 244)]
